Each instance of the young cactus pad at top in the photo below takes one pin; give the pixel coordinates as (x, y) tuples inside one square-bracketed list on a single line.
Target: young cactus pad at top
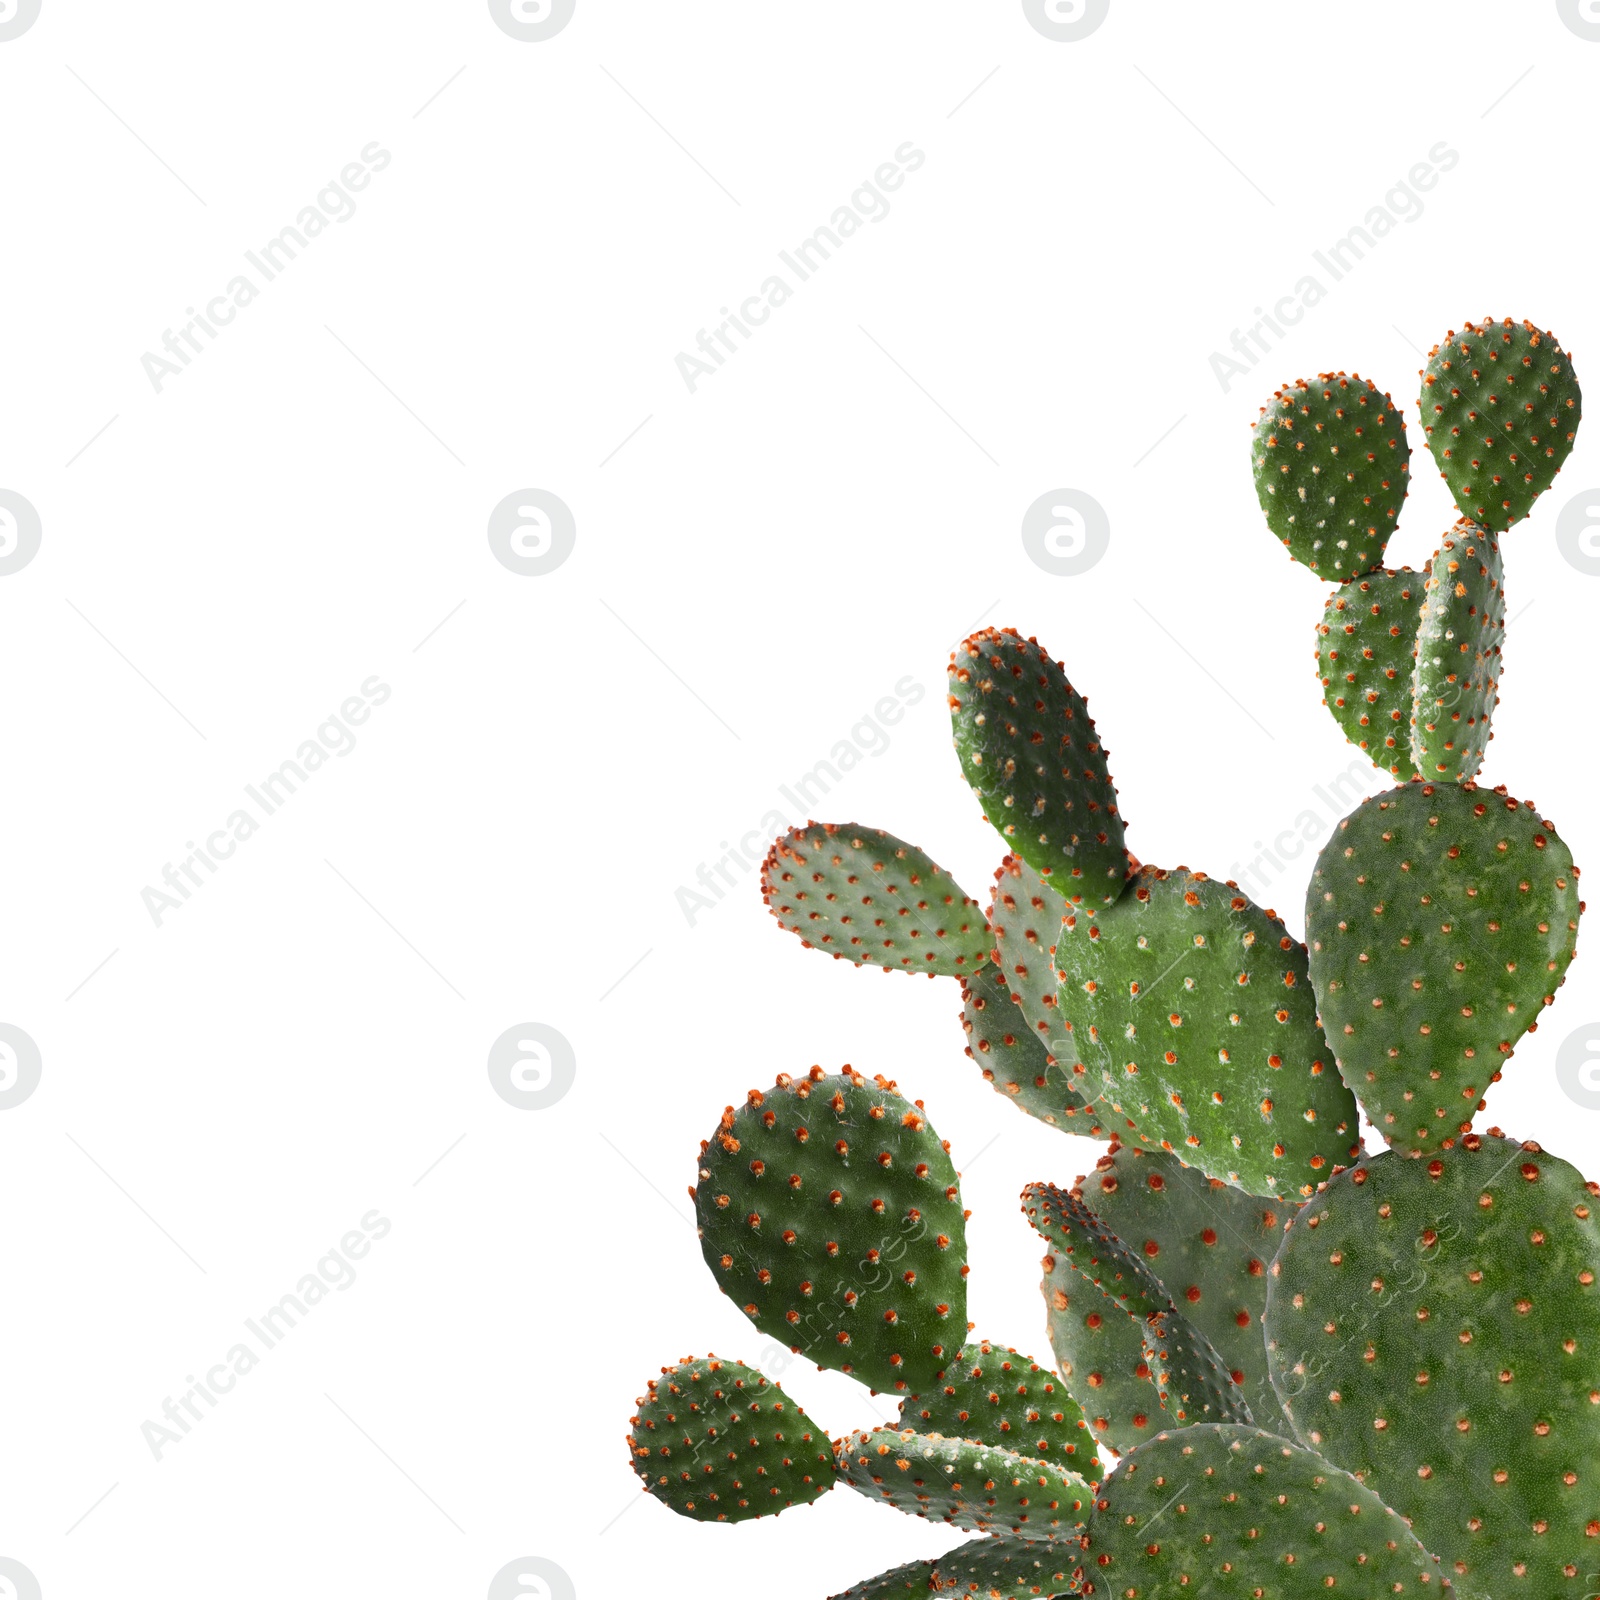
[(864, 896), (1434, 1328), (830, 1213), (1365, 644), (1029, 749), (1193, 1017), (1332, 467), (1223, 1512), (1500, 405), (715, 1440), (1456, 677), (1442, 917)]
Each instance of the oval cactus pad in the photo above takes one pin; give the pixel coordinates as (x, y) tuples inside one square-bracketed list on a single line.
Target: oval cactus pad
[(1365, 645)]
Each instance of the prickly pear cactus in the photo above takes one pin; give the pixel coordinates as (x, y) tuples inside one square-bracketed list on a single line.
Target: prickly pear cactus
[(1365, 645), (717, 1441), (1222, 1510), (996, 1568), (865, 896), (1434, 1328), (1025, 916), (1029, 749), (998, 1397), (1442, 918), (965, 1484), (1189, 1375), (1193, 1018), (1500, 405), (1456, 677), (1332, 467), (830, 1213)]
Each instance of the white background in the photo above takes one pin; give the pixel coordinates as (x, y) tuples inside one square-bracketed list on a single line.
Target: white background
[(760, 562)]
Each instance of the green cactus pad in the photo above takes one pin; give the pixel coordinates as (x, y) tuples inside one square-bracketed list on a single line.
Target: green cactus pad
[(999, 1397), (865, 896), (966, 1484), (1014, 1059), (716, 1441), (995, 1568), (1500, 405), (830, 1213), (1223, 1512), (1208, 1242), (1193, 1017), (1029, 749), (1332, 467), (1365, 644), (1099, 1351), (1087, 1245), (1442, 917), (1456, 676), (1434, 1328), (1189, 1375)]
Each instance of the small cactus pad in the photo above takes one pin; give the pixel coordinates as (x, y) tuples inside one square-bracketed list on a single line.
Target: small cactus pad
[(1223, 1512), (1456, 677), (1332, 466), (1194, 1019), (1434, 1328), (998, 1397), (1099, 1351), (1013, 1058), (1365, 644), (1092, 1250), (993, 1568), (1029, 749), (966, 1484), (830, 1214), (717, 1441), (1209, 1243), (1442, 917), (1500, 405), (1188, 1373), (865, 896)]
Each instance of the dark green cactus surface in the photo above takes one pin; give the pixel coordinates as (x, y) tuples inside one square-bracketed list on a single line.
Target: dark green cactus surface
[(1434, 1328), (1222, 1512), (1025, 916), (994, 1568), (717, 1441), (966, 1484), (1194, 1019), (829, 1211), (1332, 467), (1099, 1352), (1014, 1059), (1365, 643), (1209, 1243), (996, 1396), (1189, 1375), (1500, 405), (1456, 677), (1078, 1236), (1029, 749), (1442, 918), (865, 896)]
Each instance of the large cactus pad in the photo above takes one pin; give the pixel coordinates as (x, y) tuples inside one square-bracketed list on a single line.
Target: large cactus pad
[(1501, 405), (1434, 1328), (1193, 1017), (1365, 644), (830, 1213), (718, 1441), (1224, 1512), (1029, 749), (865, 896), (1332, 466), (1442, 918)]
